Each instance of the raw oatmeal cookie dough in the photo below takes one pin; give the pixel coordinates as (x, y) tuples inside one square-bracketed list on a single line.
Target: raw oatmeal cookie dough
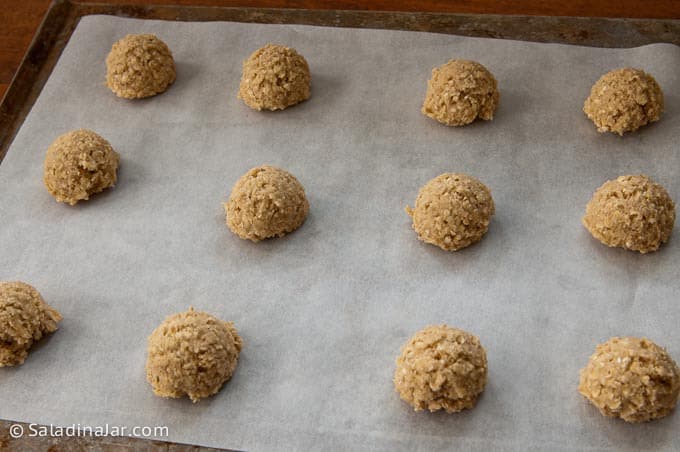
[(266, 202), (274, 77), (624, 100), (24, 319), (441, 368), (139, 66), (192, 353), (631, 378), (459, 92), (452, 211), (631, 212), (79, 164)]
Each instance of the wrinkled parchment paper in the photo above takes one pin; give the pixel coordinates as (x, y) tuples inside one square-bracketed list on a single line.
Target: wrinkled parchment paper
[(324, 311)]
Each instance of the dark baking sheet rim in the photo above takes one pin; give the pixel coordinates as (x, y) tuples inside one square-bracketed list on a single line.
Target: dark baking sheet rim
[(63, 16)]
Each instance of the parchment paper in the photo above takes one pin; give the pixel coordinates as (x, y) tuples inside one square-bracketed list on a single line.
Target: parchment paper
[(324, 311)]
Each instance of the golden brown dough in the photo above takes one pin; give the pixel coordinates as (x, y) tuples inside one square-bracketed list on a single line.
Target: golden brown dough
[(441, 368), (631, 378), (24, 319), (452, 211), (631, 212), (192, 353), (79, 164), (624, 100), (266, 202), (274, 77), (459, 92), (139, 66)]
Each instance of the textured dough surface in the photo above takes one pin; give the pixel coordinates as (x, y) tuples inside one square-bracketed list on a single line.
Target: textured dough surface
[(441, 368), (266, 202), (631, 378), (631, 212), (624, 100), (192, 353), (79, 164), (274, 77), (139, 66), (459, 92), (24, 319), (452, 211)]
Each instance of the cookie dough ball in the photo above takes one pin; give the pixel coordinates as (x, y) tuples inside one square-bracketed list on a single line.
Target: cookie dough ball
[(452, 211), (24, 319), (139, 66), (192, 353), (266, 202), (631, 378), (274, 77), (460, 92), (631, 212), (441, 368), (624, 100), (79, 164)]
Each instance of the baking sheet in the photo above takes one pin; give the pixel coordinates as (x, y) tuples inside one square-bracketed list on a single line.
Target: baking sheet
[(324, 311)]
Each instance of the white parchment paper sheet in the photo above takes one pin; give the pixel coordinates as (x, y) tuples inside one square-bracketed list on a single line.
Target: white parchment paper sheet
[(324, 311)]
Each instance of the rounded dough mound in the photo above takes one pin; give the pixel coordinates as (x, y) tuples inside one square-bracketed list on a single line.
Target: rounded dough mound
[(631, 378), (139, 66), (79, 164), (274, 77), (266, 202), (24, 319), (441, 368), (452, 211), (624, 100), (631, 212), (459, 92), (192, 353)]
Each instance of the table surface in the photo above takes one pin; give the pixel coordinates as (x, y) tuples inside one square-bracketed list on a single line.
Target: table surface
[(19, 19)]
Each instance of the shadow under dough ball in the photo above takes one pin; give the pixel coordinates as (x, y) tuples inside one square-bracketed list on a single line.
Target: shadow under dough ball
[(24, 319), (631, 378), (441, 368), (274, 77), (631, 212), (192, 353), (266, 202), (459, 92), (139, 66), (624, 100), (452, 211), (79, 164)]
